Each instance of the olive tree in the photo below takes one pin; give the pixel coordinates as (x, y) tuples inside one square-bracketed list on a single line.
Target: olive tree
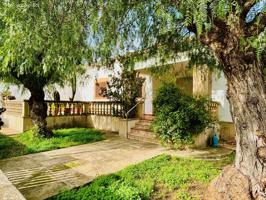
[(228, 34)]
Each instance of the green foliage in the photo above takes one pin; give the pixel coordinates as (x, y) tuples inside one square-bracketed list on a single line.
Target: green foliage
[(125, 88), (174, 176), (167, 95), (179, 116), (164, 28), (42, 41), (77, 76), (28, 142)]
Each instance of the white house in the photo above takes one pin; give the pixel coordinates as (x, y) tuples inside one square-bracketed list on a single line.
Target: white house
[(193, 81)]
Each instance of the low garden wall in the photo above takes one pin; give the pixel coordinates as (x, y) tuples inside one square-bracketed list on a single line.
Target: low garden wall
[(113, 124), (202, 140), (228, 130), (64, 114)]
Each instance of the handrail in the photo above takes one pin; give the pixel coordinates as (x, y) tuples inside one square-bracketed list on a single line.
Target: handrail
[(131, 109)]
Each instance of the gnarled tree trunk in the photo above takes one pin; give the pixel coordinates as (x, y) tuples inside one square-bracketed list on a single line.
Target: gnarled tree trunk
[(38, 112), (247, 97)]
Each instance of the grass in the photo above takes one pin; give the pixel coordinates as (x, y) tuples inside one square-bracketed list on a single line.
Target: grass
[(26, 143), (163, 177)]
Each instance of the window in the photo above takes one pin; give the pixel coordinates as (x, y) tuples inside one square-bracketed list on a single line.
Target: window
[(100, 86)]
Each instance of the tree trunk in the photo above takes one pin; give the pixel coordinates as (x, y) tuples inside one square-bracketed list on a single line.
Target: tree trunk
[(247, 97), (38, 112), (73, 87)]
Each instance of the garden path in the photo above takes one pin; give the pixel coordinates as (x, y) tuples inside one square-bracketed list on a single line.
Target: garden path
[(41, 175)]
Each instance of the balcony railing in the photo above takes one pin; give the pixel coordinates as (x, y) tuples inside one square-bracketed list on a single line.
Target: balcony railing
[(108, 108), (214, 109), (67, 108)]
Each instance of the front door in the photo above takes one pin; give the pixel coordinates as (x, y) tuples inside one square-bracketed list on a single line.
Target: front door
[(148, 95)]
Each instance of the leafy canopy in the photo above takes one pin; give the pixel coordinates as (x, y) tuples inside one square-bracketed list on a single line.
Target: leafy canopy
[(135, 30), (43, 41)]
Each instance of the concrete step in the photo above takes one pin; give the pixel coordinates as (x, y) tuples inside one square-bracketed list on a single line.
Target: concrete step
[(143, 139), (144, 123), (143, 133), (142, 127), (142, 130), (148, 117), (215, 153)]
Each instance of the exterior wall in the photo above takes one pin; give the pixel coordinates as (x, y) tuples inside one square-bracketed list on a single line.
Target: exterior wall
[(86, 92), (21, 124), (13, 117), (179, 74), (201, 140), (85, 86), (105, 123), (148, 94), (14, 122), (61, 122), (182, 57), (228, 131), (202, 81), (113, 124), (185, 84), (219, 88)]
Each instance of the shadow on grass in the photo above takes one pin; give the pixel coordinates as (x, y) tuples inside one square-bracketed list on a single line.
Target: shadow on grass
[(162, 177), (26, 143), (10, 147)]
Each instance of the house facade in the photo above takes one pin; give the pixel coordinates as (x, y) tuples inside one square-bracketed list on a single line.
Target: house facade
[(197, 82)]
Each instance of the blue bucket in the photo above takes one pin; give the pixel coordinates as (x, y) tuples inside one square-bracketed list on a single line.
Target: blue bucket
[(215, 141)]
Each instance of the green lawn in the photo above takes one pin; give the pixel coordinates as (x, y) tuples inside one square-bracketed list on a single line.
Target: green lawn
[(26, 143), (163, 177)]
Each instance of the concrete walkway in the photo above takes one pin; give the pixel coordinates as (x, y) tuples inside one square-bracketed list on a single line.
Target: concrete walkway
[(8, 190), (41, 175)]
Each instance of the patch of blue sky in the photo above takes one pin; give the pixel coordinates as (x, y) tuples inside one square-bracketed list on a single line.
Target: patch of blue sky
[(259, 7)]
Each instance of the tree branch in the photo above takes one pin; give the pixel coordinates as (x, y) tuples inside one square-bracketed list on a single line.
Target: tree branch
[(257, 26), (246, 6)]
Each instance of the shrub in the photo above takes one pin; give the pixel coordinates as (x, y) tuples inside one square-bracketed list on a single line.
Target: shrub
[(125, 89), (167, 95), (179, 116)]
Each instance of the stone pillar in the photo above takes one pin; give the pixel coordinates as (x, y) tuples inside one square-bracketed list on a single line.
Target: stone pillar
[(202, 81)]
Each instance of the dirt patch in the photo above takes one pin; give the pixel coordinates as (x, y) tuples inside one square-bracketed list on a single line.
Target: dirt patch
[(230, 185), (161, 192), (197, 190)]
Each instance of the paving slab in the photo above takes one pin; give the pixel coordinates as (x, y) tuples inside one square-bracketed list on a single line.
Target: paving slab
[(7, 189), (41, 175)]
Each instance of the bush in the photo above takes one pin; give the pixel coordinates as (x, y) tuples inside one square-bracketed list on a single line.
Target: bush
[(167, 95), (179, 116), (125, 89)]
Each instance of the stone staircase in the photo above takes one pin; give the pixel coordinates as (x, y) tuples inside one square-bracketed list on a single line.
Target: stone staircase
[(142, 131)]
